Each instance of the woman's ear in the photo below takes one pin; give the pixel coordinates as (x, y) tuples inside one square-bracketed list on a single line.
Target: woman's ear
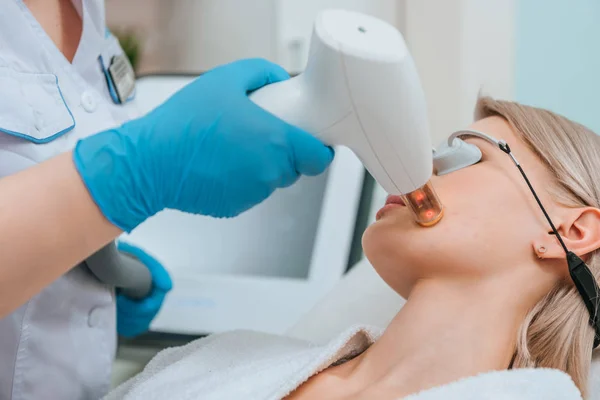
[(580, 231)]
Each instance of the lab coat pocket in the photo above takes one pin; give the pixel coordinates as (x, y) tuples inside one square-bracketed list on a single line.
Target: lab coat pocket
[(32, 106)]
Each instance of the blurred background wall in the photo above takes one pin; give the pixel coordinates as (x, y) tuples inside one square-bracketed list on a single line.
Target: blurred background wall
[(541, 52), (558, 57), (200, 34)]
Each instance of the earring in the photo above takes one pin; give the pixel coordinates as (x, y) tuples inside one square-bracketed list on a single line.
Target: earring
[(541, 250)]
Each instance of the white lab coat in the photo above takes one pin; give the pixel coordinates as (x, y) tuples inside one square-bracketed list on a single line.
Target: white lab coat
[(61, 343)]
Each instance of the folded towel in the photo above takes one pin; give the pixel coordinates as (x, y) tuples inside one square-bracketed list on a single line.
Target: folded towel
[(252, 365), (516, 384), (594, 381)]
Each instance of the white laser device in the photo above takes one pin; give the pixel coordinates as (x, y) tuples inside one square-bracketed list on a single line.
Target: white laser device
[(361, 90)]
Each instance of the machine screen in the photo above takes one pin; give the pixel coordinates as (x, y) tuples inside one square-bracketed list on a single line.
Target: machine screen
[(275, 238)]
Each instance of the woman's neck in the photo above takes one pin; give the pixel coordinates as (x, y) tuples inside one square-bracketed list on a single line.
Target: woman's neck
[(60, 21), (445, 331)]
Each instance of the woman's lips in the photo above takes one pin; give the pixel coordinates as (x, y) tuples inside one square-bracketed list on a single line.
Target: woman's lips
[(391, 202), (391, 199)]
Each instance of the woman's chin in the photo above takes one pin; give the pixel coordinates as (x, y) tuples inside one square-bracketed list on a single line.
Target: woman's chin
[(391, 221), (387, 259), (390, 245)]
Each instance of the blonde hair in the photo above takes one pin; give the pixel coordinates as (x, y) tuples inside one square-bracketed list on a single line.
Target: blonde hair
[(556, 333)]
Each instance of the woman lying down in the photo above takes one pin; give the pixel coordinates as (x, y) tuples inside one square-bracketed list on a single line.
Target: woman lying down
[(488, 289)]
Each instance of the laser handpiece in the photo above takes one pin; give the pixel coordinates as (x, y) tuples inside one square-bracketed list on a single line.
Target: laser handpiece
[(360, 89)]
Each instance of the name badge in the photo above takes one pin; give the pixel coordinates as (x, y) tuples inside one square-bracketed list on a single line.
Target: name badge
[(123, 77), (120, 78)]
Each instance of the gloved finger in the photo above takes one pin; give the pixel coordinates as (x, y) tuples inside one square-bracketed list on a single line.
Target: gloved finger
[(132, 327), (148, 305), (311, 156), (132, 316), (137, 313), (255, 73), (289, 181), (147, 312), (160, 276), (128, 248), (130, 320)]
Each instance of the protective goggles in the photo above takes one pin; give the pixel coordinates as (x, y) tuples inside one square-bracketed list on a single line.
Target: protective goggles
[(456, 154)]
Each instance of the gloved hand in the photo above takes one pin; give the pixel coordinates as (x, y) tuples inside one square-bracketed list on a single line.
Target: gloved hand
[(207, 150), (134, 316)]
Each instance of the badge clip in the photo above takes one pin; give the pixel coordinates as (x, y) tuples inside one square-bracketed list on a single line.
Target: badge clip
[(120, 78)]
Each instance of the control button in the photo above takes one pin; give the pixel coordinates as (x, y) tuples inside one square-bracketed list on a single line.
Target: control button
[(95, 317), (88, 102)]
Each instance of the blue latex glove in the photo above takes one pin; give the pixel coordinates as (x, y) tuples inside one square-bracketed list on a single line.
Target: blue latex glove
[(207, 150), (134, 316)]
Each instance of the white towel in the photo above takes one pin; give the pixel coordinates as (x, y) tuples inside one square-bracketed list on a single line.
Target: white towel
[(252, 365), (517, 384)]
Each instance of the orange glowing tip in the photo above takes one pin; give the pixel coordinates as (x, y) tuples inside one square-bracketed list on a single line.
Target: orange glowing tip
[(419, 195), (425, 205)]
